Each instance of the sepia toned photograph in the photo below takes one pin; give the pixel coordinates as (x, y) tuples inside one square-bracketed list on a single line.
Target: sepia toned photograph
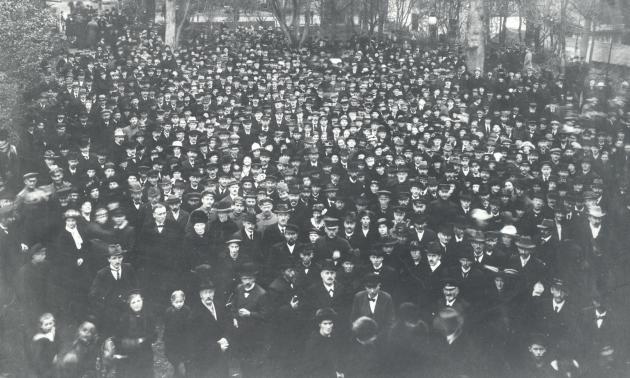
[(314, 189)]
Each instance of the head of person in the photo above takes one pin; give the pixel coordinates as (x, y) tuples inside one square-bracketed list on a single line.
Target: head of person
[(206, 293), (291, 234), (159, 213), (372, 284), (325, 320), (86, 333), (537, 347), (178, 298), (135, 301), (247, 275), (46, 323), (328, 273)]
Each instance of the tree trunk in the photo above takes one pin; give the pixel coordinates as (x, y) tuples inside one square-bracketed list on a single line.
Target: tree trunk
[(475, 38), (586, 37), (170, 35)]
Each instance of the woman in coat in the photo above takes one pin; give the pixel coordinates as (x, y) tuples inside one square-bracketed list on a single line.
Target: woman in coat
[(135, 335), (322, 352)]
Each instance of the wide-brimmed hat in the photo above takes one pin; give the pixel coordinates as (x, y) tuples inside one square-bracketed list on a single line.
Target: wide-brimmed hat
[(115, 250), (525, 242)]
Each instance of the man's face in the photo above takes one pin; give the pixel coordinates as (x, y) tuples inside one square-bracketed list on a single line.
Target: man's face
[(595, 221), (283, 219), (30, 182), (159, 214), (328, 276), (331, 232), (115, 262), (538, 351), (465, 263), (450, 293), (248, 281), (373, 291), (376, 261), (433, 259), (524, 252), (291, 237), (557, 293), (207, 296)]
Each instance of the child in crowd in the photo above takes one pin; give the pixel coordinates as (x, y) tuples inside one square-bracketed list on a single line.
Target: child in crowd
[(175, 320)]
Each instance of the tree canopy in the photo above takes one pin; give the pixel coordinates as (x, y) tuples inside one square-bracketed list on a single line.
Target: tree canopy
[(29, 35)]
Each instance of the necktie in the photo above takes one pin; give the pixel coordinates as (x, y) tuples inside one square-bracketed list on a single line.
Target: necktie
[(372, 299), (212, 311), (331, 292), (282, 230), (556, 309)]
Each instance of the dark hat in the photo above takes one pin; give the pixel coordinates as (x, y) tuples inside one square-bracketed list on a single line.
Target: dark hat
[(222, 207), (450, 283), (30, 175), (384, 193), (420, 219), (546, 224), (434, 248), (328, 264), (326, 313), (389, 241), (36, 248), (331, 222), (378, 252), (198, 217), (173, 199), (117, 212), (282, 208), (558, 283), (330, 188), (292, 227), (115, 250), (206, 284), (525, 242), (250, 218), (247, 269), (371, 280), (538, 339)]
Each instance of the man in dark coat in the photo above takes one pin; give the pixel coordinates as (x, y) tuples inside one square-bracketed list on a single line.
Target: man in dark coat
[(32, 284), (110, 288), (209, 335), (251, 311), (251, 239), (287, 321), (531, 269), (331, 246), (282, 253), (556, 316), (157, 251), (374, 303), (327, 292), (175, 213), (454, 347), (274, 233)]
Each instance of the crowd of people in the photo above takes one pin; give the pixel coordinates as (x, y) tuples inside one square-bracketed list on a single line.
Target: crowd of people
[(269, 212)]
